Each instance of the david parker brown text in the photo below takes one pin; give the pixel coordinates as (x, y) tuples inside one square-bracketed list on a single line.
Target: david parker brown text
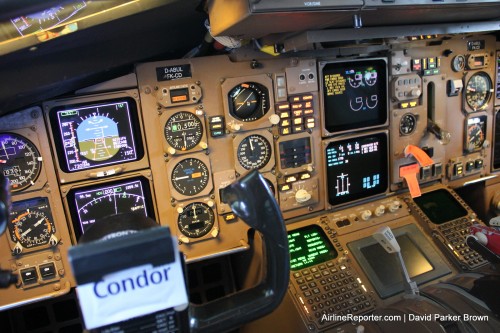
[(404, 318)]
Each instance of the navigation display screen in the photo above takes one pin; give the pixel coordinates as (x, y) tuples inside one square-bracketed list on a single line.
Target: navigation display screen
[(356, 168), (354, 94), (96, 135), (89, 204), (432, 203), (309, 246)]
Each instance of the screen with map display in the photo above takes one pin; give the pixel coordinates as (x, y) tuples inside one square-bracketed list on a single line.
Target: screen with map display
[(354, 94), (95, 135), (91, 203)]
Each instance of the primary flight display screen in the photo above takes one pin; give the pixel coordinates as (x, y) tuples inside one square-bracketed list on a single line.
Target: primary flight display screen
[(354, 94), (432, 203), (96, 135), (309, 246), (356, 168), (89, 204)]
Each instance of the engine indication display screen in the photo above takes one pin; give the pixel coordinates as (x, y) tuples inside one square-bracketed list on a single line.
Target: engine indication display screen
[(96, 135), (89, 204), (356, 168), (354, 94), (309, 246)]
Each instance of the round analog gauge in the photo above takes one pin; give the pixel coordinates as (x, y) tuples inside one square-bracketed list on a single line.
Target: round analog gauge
[(196, 220), (407, 124), (248, 101), (458, 63), (183, 130), (254, 152), (31, 223), (20, 161), (478, 91), (190, 176), (475, 135)]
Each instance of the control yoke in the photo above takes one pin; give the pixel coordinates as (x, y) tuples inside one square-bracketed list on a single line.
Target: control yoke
[(250, 199)]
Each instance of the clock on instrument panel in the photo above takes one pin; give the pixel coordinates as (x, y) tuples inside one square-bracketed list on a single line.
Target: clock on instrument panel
[(407, 124), (196, 220), (478, 91)]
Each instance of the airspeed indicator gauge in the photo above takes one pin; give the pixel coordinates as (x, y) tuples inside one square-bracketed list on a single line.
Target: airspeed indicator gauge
[(183, 130), (31, 224), (478, 91), (20, 161)]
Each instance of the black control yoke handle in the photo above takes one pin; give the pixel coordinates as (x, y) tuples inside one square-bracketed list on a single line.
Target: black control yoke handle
[(251, 200)]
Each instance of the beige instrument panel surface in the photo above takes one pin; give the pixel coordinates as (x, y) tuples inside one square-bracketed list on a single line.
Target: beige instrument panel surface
[(195, 125)]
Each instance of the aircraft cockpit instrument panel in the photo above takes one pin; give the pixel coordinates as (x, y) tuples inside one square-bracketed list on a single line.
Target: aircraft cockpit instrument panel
[(329, 131)]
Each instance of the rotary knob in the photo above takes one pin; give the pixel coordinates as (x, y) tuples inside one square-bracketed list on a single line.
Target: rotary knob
[(394, 206), (415, 92), (380, 210), (366, 215), (302, 196)]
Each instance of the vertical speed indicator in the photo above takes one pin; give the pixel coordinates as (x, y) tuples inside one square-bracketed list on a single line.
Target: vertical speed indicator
[(254, 152)]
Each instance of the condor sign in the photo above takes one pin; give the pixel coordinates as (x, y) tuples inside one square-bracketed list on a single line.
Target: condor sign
[(133, 293)]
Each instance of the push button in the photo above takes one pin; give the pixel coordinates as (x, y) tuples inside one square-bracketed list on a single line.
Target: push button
[(48, 271), (29, 275)]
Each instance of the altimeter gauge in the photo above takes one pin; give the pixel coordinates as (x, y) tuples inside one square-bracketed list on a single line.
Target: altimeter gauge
[(183, 130), (20, 161)]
